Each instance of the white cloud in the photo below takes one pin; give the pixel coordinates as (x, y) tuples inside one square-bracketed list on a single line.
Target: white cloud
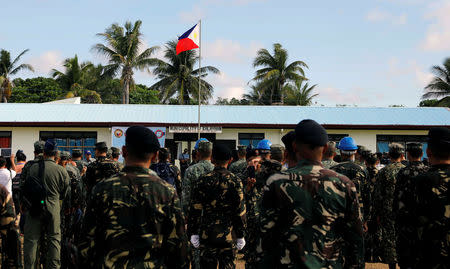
[(409, 69), (349, 97), (438, 34), (230, 51), (47, 61), (191, 16), (227, 86), (377, 15)]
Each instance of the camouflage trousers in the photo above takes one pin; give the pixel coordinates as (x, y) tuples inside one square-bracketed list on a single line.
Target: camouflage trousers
[(211, 257), (11, 248), (388, 245), (252, 240), (195, 262), (406, 255)]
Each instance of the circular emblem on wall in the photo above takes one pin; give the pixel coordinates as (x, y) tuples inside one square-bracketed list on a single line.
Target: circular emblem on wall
[(118, 133), (159, 133)]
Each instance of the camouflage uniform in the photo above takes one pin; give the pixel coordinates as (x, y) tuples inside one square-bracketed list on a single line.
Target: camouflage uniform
[(191, 177), (310, 219), (370, 239), (80, 164), (10, 248), (383, 207), (268, 168), (403, 200), (133, 220), (217, 210), (238, 166), (98, 170), (327, 164)]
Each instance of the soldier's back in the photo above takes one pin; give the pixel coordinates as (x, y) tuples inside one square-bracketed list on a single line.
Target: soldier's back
[(190, 178), (134, 221), (238, 166), (327, 164), (432, 217), (98, 170)]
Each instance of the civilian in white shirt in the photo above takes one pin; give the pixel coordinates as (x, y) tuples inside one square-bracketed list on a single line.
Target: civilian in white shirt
[(6, 175)]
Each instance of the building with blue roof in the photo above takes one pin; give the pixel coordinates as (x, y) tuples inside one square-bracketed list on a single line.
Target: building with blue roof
[(82, 125)]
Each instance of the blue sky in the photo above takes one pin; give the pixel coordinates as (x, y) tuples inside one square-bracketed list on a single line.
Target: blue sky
[(365, 53)]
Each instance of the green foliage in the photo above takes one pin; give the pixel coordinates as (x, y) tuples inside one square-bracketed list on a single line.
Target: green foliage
[(440, 85), (444, 102), (9, 68), (122, 49), (178, 78), (233, 102), (143, 95), (396, 106), (299, 95), (276, 71), (36, 90)]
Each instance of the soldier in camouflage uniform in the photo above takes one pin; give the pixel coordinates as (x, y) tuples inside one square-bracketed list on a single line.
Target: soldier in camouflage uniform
[(10, 248), (239, 165), (80, 164), (191, 176), (134, 219), (309, 215), (430, 210), (100, 169), (328, 156), (115, 154), (383, 204), (370, 239), (216, 211), (403, 199), (356, 173)]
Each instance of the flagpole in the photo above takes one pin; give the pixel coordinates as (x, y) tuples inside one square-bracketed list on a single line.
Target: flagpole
[(199, 74)]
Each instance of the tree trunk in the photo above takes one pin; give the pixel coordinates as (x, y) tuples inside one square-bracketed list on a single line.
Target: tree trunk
[(126, 92), (281, 92)]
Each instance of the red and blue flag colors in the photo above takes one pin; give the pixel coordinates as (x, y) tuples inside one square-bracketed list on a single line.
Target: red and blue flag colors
[(189, 40)]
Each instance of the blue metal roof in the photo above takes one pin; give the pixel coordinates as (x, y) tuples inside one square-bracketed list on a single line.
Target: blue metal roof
[(225, 115)]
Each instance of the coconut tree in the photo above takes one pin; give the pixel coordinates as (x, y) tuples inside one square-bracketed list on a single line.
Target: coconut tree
[(9, 68), (440, 85), (299, 95), (123, 50), (275, 71), (179, 78), (257, 95)]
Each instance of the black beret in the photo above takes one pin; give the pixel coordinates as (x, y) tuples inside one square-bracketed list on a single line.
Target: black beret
[(287, 140), (312, 133), (439, 136), (413, 146), (101, 145), (221, 153), (142, 139)]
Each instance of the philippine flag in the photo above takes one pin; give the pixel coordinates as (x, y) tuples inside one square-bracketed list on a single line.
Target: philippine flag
[(189, 40)]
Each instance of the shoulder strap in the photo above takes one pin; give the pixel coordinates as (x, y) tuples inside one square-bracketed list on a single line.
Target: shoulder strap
[(41, 170)]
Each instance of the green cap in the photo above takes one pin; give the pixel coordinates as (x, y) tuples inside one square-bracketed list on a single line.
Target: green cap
[(115, 150), (396, 148), (65, 155), (39, 145), (276, 149), (205, 146)]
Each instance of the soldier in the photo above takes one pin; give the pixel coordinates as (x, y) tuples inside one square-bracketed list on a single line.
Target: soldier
[(38, 155), (167, 171), (134, 219), (81, 165), (216, 211), (10, 249), (403, 199), (263, 148), (355, 172), (309, 215), (328, 157), (430, 208), (192, 174), (289, 155), (89, 158), (383, 204), (46, 223), (239, 165), (370, 239), (360, 153), (101, 168), (115, 154)]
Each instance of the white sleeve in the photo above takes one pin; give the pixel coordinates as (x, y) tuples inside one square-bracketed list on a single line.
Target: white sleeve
[(13, 174)]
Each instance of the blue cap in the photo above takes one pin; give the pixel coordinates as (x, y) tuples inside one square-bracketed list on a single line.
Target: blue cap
[(198, 142), (264, 144), (347, 143), (50, 145), (88, 152)]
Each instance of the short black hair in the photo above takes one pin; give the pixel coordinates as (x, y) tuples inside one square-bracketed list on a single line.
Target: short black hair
[(115, 154), (439, 150), (371, 159), (163, 154), (50, 153), (415, 152), (102, 150), (141, 142), (2, 161)]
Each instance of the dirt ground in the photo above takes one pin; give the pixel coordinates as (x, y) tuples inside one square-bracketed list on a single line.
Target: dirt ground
[(241, 265)]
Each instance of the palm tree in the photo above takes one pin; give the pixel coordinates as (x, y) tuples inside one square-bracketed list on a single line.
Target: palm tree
[(122, 48), (298, 95), (257, 95), (276, 71), (440, 85), (177, 76), (8, 69)]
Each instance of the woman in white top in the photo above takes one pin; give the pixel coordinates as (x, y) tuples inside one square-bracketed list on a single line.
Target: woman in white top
[(7, 175)]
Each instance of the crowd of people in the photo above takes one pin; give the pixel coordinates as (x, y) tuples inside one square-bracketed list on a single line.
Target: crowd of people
[(311, 203)]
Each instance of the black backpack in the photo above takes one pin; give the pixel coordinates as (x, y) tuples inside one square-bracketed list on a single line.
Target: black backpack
[(35, 193)]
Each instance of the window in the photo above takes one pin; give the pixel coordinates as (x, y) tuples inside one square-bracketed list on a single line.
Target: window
[(383, 141), (336, 137), (247, 139), (5, 143), (67, 141)]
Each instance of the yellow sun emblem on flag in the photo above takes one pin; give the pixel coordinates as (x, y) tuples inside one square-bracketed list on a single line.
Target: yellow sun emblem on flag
[(195, 35)]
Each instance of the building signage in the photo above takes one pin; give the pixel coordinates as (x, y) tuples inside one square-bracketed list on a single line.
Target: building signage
[(118, 136), (194, 129)]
